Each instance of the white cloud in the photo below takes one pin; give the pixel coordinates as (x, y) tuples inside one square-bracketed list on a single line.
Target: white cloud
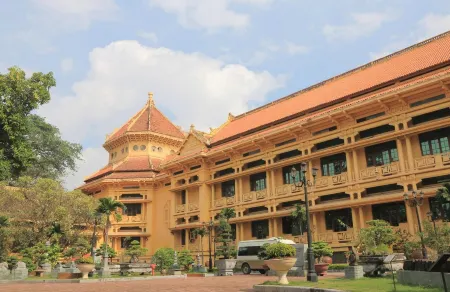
[(189, 85), (363, 25), (257, 58), (67, 65), (151, 36), (294, 49), (93, 159), (433, 24), (207, 14)]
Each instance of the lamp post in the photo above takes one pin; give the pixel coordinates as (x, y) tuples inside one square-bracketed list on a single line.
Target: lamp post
[(209, 225), (415, 202), (311, 276), (432, 218)]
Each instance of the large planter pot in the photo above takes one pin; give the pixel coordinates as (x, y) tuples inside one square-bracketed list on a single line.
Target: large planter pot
[(225, 267), (321, 269), (164, 272), (85, 269), (281, 267), (327, 260)]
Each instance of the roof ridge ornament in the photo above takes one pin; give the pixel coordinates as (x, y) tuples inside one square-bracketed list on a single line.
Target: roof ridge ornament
[(150, 101)]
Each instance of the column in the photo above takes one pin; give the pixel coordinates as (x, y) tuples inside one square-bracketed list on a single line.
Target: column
[(187, 238), (275, 227), (361, 218), (348, 157), (355, 162), (272, 176), (401, 156), (268, 183), (242, 231), (410, 218), (310, 167), (270, 227), (314, 227), (355, 219), (187, 201), (213, 195), (409, 153), (238, 235)]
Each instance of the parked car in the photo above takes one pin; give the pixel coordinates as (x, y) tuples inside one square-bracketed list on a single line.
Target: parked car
[(247, 254)]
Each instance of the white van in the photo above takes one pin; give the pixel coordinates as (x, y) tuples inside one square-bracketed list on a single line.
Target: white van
[(247, 254)]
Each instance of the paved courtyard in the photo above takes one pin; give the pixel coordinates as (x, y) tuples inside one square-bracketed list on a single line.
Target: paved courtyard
[(209, 284)]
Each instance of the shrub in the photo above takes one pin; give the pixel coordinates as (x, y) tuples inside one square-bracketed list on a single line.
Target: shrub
[(321, 249), (377, 238), (29, 263), (163, 258), (185, 259), (279, 250), (101, 251), (262, 253), (12, 262), (85, 260), (337, 267), (226, 250), (134, 250)]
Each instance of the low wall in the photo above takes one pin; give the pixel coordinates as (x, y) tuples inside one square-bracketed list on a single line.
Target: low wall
[(275, 288), (420, 278)]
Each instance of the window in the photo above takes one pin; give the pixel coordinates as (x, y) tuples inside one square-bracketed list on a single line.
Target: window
[(376, 131), (183, 237), (255, 163), (338, 220), (160, 149), (393, 213), (427, 100), (260, 229), (289, 154), (258, 181), (371, 117), (324, 131), (222, 161), (123, 150), (285, 142), (439, 211), (289, 227), (251, 153), (333, 165), (228, 188), (435, 142), (133, 209), (249, 250), (183, 197), (135, 147), (330, 143), (233, 231), (178, 172), (381, 154), (143, 147), (154, 148), (287, 178), (223, 172), (195, 167), (431, 116), (125, 241), (131, 196)]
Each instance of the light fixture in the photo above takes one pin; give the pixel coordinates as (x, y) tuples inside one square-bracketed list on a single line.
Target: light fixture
[(314, 172), (303, 167)]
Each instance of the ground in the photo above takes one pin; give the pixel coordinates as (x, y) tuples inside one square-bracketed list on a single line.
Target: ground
[(209, 284)]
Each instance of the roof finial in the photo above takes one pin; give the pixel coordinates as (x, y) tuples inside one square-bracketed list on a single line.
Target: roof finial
[(192, 127), (150, 99), (230, 117)]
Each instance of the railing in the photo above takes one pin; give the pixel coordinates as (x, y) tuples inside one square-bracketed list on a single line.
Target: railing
[(297, 238), (136, 218), (193, 207), (326, 181), (337, 237), (429, 161), (287, 189), (383, 170), (186, 208), (224, 201), (254, 196), (180, 208)]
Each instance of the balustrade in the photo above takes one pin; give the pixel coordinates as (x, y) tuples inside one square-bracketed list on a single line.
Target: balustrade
[(180, 208), (337, 237), (287, 189), (135, 218), (382, 170), (327, 181), (254, 196), (429, 161)]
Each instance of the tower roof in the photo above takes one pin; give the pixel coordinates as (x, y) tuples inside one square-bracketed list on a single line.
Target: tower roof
[(149, 118)]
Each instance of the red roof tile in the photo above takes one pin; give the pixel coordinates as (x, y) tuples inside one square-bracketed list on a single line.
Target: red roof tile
[(419, 57)]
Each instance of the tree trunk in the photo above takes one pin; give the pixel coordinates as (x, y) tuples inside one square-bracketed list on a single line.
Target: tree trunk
[(105, 255)]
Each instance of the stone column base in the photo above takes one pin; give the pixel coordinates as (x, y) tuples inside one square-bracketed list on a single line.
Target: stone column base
[(354, 272)]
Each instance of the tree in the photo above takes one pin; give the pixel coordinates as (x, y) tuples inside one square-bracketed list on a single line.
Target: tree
[(52, 156), (19, 96), (321, 249), (185, 259), (42, 253), (298, 219), (4, 223), (101, 251), (437, 239), (109, 207), (227, 213), (78, 249), (377, 238), (163, 258), (134, 250), (202, 232), (443, 199), (224, 237), (41, 210)]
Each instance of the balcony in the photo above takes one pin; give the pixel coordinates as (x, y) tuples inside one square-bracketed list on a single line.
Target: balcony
[(224, 201), (334, 180), (432, 161), (135, 218), (186, 208), (287, 190), (337, 237), (254, 196), (380, 171)]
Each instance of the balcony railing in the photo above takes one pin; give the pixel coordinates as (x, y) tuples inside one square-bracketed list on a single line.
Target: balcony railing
[(287, 190), (136, 218), (378, 171), (333, 180), (430, 161), (337, 237), (254, 196), (225, 201), (180, 208), (186, 208)]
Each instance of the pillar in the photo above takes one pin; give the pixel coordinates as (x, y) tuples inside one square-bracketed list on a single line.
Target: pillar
[(187, 200), (361, 218), (242, 231), (187, 237), (241, 189), (409, 153), (355, 162), (270, 227), (314, 227), (354, 219), (275, 227), (213, 195), (268, 183), (348, 157), (401, 157), (272, 175)]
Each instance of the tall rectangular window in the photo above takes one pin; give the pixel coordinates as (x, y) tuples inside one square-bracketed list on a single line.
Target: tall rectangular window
[(228, 188), (133, 209), (435, 142), (260, 229), (183, 197), (333, 165), (287, 178), (183, 237), (381, 154), (258, 181), (393, 213), (338, 220), (439, 211)]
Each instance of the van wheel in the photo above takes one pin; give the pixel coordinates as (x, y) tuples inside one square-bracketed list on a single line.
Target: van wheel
[(246, 269), (262, 272)]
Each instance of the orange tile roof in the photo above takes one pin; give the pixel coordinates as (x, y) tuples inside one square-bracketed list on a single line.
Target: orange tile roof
[(415, 59), (148, 119)]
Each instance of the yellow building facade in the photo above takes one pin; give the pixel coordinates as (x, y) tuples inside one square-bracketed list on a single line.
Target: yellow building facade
[(374, 133)]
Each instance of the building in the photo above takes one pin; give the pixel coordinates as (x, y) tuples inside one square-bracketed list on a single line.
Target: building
[(374, 133)]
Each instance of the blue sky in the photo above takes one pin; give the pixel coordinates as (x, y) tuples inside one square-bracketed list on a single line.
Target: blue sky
[(201, 58)]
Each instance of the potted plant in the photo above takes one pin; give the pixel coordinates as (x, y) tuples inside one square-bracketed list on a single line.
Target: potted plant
[(85, 265), (279, 257), (321, 249), (226, 264)]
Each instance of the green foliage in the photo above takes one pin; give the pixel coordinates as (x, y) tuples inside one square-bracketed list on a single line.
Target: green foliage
[(12, 262), (298, 218), (19, 96), (85, 260), (262, 253), (185, 259), (31, 266), (438, 239), (202, 232), (101, 251), (443, 199), (337, 267), (41, 253), (227, 213), (134, 250), (78, 249), (321, 249), (377, 238), (409, 247), (42, 210), (108, 207), (4, 239), (163, 258), (225, 249), (279, 250)]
